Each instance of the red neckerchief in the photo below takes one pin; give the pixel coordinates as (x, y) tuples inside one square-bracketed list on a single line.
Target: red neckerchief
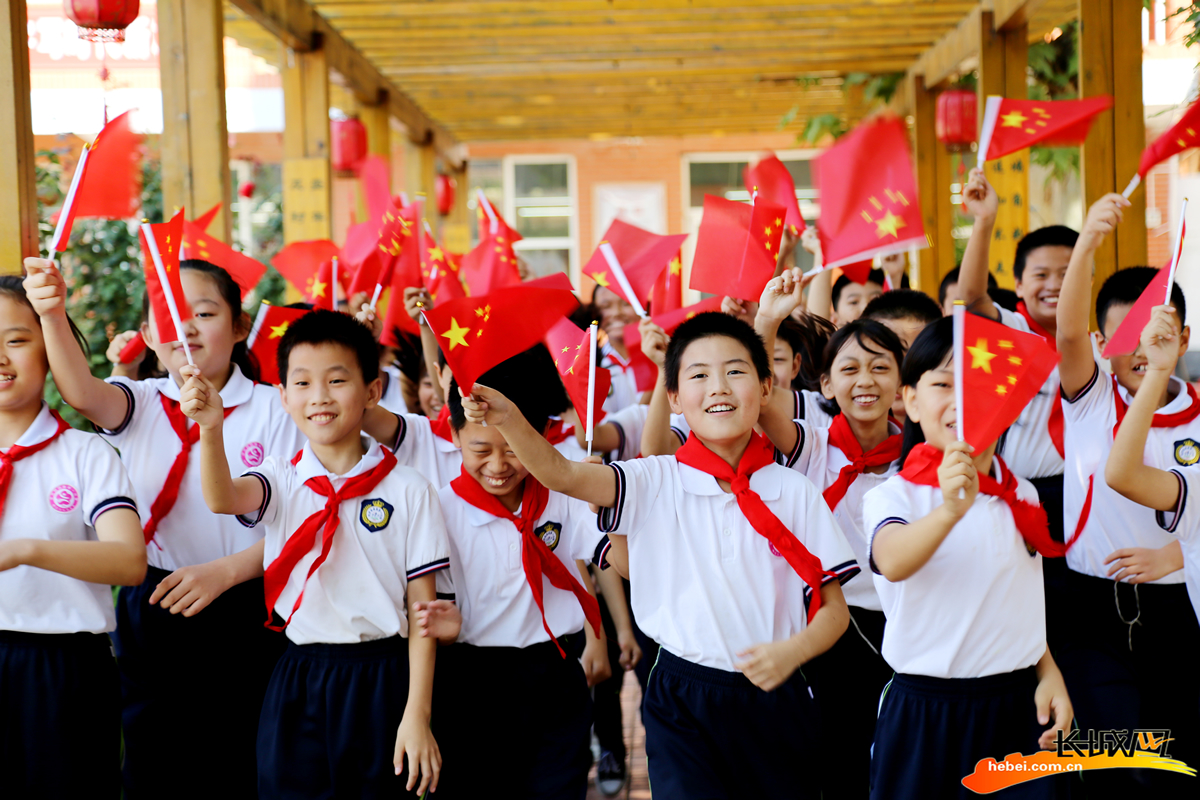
[(18, 452), (300, 543), (169, 493), (1159, 421), (557, 433), (441, 425), (841, 437), (921, 467), (536, 558), (759, 453), (1054, 425)]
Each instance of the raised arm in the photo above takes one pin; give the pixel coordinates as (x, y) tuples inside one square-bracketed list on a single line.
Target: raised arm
[(102, 403), (117, 559), (591, 483), (1075, 297), (657, 437), (982, 203), (223, 493), (780, 297)]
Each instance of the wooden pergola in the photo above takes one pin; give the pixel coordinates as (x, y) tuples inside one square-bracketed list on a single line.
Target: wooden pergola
[(455, 71)]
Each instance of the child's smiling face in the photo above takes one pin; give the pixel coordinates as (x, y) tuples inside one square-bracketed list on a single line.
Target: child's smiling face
[(720, 392)]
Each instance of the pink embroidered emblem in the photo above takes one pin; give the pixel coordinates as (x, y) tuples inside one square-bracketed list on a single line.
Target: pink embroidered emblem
[(252, 454), (64, 498)]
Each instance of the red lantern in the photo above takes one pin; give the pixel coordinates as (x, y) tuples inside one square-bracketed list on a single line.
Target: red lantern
[(247, 189), (444, 194), (955, 123), (349, 146), (101, 20)]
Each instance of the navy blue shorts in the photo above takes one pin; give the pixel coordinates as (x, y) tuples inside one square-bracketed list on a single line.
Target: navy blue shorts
[(513, 721), (931, 733), (60, 719), (712, 734)]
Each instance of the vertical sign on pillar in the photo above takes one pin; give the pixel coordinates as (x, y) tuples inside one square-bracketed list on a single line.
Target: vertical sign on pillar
[(305, 199), (1009, 176)]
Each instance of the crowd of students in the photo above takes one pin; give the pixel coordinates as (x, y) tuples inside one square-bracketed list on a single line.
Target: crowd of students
[(327, 595)]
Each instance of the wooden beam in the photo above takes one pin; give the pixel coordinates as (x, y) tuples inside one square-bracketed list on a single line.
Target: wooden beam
[(195, 141), (18, 208), (1010, 15), (944, 58)]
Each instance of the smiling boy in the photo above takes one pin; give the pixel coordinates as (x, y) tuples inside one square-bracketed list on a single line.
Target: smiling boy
[(735, 564)]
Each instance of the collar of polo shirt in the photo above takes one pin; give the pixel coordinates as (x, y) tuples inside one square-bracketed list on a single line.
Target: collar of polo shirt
[(237, 390), (309, 466), (767, 482)]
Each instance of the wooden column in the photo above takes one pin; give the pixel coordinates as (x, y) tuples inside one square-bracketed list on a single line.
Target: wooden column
[(1003, 57), (306, 176), (18, 202), (195, 140), (1110, 62), (933, 183), (376, 120), (428, 179), (456, 228)]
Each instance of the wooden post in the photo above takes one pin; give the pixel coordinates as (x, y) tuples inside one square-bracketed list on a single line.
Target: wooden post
[(428, 181), (195, 141), (306, 176), (18, 208), (376, 120), (1003, 57), (926, 273), (456, 229)]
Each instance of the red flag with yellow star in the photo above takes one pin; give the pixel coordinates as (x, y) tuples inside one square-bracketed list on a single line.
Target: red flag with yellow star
[(1002, 370), (568, 346), (269, 326), (107, 182), (399, 230), (736, 247), (299, 262), (771, 179), (645, 373), (643, 256), (491, 264), (477, 333), (868, 194), (168, 236), (206, 219), (1183, 135), (1012, 125), (439, 273), (667, 294), (245, 271)]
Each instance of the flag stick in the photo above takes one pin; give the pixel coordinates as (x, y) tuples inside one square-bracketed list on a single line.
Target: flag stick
[(1133, 184), (152, 243), (991, 113), (65, 213), (591, 401), (960, 311), (334, 288), (375, 296), (611, 257), (487, 209), (1175, 251), (404, 198), (432, 265), (259, 319)]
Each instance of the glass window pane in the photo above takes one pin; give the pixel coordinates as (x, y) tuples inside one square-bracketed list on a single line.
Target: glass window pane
[(534, 222), (546, 262), (540, 180), (722, 179), (489, 176)]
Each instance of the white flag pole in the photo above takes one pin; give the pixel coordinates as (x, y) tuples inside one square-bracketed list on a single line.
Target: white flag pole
[(591, 395), (152, 243), (1133, 184), (487, 209), (991, 114), (259, 319), (960, 311), (610, 256), (1175, 253), (65, 213), (334, 288)]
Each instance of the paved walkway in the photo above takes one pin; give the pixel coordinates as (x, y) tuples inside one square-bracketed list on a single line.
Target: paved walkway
[(638, 787)]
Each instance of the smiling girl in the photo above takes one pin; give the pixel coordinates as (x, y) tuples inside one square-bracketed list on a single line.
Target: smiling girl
[(206, 671)]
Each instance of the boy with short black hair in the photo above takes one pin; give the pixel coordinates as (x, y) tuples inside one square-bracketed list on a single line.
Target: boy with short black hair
[(850, 298), (351, 540), (736, 564), (905, 311), (1125, 574), (948, 289)]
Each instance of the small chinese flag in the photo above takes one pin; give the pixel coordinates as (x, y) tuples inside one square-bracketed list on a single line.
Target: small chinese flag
[(859, 271), (477, 333), (1003, 369), (320, 289), (439, 273), (269, 326), (373, 178), (205, 220), (643, 256), (1182, 135), (399, 226), (868, 194), (645, 373), (109, 181), (736, 247), (169, 238), (492, 264), (245, 271), (1128, 334), (555, 280), (667, 294), (771, 179), (361, 239), (299, 262), (1012, 125), (569, 347)]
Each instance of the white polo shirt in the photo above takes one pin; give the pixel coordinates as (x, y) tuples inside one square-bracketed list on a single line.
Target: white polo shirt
[(1027, 448), (488, 580), (630, 423), (705, 584), (1184, 522), (390, 536), (1116, 522), (623, 390), (821, 462), (57, 494), (977, 607), (809, 407), (393, 397), (417, 446), (256, 429)]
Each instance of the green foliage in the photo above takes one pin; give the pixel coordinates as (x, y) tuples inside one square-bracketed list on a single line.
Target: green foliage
[(1191, 15), (1054, 69), (877, 90), (823, 124)]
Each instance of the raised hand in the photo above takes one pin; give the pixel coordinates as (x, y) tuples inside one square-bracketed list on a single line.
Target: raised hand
[(654, 341), (200, 400), (958, 478), (484, 406), (45, 287), (980, 198), (1103, 218)]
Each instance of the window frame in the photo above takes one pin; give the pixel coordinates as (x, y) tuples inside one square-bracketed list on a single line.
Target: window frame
[(570, 243)]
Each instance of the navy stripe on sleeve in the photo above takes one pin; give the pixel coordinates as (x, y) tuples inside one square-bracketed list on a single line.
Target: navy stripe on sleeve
[(871, 550), (128, 412), (679, 432), (250, 520), (791, 459), (428, 569), (1086, 388), (401, 432), (109, 505), (621, 439), (600, 557), (1180, 505), (609, 519)]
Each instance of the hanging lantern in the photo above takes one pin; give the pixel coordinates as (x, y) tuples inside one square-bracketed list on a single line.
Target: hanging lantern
[(246, 190), (101, 20), (955, 123), (444, 194), (349, 146)]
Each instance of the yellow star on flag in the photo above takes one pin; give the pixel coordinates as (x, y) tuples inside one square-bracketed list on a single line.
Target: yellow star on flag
[(1001, 389), (435, 253), (766, 231), (318, 289), (1014, 119), (485, 312), (889, 223), (778, 222), (279, 330), (457, 334), (676, 266), (601, 279), (981, 357)]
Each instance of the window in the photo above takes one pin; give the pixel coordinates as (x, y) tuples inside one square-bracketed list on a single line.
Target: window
[(540, 202), (488, 176)]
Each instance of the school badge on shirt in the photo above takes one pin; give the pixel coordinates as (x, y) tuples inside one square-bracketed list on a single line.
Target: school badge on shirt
[(550, 534), (375, 514), (1187, 452)]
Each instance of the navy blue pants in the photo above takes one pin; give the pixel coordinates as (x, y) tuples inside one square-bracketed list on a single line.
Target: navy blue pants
[(1152, 685), (711, 734), (847, 681), (513, 721), (329, 721), (192, 689), (610, 730), (931, 733), (60, 719), (1054, 570)]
